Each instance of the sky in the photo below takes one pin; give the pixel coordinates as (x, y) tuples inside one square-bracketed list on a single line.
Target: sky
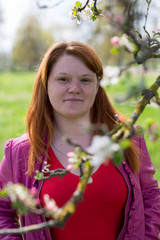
[(14, 12)]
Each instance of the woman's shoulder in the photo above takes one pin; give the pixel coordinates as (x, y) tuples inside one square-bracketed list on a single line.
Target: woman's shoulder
[(17, 143)]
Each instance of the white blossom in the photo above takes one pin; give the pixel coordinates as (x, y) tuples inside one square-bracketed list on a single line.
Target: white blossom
[(87, 13), (50, 204), (18, 193), (102, 149), (124, 41), (76, 158), (111, 75)]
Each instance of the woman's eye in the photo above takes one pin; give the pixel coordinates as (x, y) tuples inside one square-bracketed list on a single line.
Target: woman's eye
[(85, 80), (63, 79)]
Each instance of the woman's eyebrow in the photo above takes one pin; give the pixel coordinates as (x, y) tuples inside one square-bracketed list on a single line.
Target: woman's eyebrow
[(87, 75), (62, 73)]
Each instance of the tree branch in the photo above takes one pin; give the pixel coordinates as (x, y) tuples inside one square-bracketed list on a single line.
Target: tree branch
[(46, 5), (66, 211), (27, 229), (82, 8), (54, 173), (125, 129)]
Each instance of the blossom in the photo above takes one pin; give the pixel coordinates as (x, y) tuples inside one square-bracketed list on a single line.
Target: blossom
[(87, 13), (76, 158), (125, 42), (69, 167), (20, 197), (102, 148), (111, 75), (50, 204), (115, 41), (152, 130), (119, 18), (75, 15), (33, 191)]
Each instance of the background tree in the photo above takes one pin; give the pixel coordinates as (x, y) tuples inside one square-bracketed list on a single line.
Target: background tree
[(141, 50), (118, 17), (30, 44)]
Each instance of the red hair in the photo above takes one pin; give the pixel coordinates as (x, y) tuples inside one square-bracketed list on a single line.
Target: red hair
[(40, 117)]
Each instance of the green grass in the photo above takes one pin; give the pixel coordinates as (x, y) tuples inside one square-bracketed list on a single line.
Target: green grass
[(15, 95)]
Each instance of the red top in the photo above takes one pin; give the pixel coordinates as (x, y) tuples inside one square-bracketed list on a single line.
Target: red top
[(101, 213)]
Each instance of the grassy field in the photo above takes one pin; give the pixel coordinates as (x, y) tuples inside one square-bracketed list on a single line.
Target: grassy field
[(15, 95)]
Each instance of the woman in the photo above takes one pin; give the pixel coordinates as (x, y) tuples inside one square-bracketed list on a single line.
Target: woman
[(122, 202)]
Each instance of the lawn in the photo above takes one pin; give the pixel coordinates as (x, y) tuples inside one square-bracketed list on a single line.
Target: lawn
[(15, 95)]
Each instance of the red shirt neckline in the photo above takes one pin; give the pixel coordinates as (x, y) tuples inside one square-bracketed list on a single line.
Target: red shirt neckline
[(94, 175)]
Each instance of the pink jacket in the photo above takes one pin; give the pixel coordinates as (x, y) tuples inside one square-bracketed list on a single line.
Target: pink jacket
[(142, 212)]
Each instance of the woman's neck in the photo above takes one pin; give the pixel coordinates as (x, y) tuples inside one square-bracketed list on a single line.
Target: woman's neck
[(72, 129)]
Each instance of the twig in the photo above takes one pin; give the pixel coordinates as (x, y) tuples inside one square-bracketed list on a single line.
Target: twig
[(148, 95), (82, 8), (125, 129), (54, 173), (66, 211), (48, 6), (27, 229), (67, 140), (96, 12), (146, 17)]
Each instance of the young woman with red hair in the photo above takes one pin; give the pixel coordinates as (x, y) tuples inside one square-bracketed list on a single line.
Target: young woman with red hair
[(123, 202)]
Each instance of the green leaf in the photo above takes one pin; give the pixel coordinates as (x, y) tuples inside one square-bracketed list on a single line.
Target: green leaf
[(3, 193), (15, 205), (92, 8), (78, 4), (118, 157), (74, 12), (135, 48), (39, 175), (114, 50), (100, 10), (139, 131), (94, 17), (149, 122), (125, 143)]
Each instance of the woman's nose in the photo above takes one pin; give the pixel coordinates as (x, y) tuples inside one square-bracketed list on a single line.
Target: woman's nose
[(74, 87)]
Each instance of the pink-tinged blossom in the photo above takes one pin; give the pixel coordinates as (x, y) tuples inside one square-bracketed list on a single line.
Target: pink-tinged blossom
[(119, 18), (125, 42), (154, 126), (115, 41), (70, 167), (70, 154), (76, 158), (154, 138), (152, 131), (33, 191), (50, 204), (37, 201), (18, 193)]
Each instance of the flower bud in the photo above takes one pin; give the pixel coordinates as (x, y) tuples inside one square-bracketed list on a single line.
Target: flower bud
[(115, 41)]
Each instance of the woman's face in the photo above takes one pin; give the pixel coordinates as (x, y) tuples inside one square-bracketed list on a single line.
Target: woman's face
[(72, 88)]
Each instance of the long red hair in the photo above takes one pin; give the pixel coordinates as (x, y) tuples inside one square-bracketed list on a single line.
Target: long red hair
[(40, 117)]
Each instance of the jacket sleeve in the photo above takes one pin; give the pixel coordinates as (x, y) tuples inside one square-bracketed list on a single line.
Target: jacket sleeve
[(8, 217), (150, 193)]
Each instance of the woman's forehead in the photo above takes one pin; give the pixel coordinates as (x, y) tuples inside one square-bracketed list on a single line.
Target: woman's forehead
[(70, 63)]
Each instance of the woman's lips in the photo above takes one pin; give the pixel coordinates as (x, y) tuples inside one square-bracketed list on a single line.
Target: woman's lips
[(73, 100)]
